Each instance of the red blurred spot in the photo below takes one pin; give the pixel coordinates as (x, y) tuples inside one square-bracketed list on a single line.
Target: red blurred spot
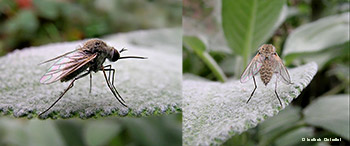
[(24, 3)]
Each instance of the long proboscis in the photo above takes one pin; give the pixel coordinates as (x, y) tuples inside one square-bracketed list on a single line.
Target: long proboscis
[(137, 57)]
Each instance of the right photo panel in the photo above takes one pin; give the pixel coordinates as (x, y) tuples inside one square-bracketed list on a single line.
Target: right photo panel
[(265, 72)]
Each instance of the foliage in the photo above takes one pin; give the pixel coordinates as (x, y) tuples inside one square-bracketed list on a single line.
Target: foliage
[(34, 22), (105, 131)]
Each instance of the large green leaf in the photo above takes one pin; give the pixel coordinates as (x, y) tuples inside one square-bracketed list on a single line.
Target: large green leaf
[(100, 132), (155, 131), (318, 35), (149, 87), (331, 113), (283, 129), (249, 23), (295, 137), (214, 111), (31, 133)]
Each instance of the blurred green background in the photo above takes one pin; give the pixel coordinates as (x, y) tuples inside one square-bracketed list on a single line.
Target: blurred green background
[(210, 28), (25, 23)]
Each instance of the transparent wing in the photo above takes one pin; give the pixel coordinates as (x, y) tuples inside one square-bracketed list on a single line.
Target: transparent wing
[(252, 69), (66, 65), (281, 70), (65, 54)]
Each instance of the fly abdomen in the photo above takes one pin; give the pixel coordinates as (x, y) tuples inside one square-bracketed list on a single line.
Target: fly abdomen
[(266, 72), (74, 74)]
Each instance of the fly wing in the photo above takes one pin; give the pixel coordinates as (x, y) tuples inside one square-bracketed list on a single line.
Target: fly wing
[(281, 70), (252, 69), (65, 54), (66, 65)]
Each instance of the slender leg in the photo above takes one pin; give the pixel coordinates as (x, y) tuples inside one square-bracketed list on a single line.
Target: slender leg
[(276, 91), (90, 83), (113, 89), (253, 90), (109, 70), (109, 73), (70, 86)]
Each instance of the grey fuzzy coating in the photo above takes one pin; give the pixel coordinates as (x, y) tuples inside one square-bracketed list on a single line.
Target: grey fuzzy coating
[(149, 87), (214, 111)]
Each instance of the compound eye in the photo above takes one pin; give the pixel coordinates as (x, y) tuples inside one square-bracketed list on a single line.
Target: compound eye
[(116, 55)]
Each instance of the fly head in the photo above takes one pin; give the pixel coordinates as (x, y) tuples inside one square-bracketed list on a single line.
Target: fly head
[(266, 51), (114, 55)]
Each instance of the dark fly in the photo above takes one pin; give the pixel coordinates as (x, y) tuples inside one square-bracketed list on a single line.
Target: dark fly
[(83, 61)]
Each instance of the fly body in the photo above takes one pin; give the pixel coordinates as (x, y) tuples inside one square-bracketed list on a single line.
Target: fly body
[(83, 61), (266, 71), (267, 63)]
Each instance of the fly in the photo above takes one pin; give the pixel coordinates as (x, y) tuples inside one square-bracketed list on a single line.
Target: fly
[(82, 62), (266, 62)]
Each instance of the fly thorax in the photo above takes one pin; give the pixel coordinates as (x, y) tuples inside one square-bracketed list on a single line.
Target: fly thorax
[(97, 63)]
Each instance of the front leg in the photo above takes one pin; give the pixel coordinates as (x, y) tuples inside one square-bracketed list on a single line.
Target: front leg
[(112, 88), (110, 69)]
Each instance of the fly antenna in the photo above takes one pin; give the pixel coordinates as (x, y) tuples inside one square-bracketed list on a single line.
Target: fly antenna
[(137, 57), (123, 49)]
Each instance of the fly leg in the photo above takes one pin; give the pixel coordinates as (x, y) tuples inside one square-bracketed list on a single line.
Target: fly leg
[(276, 91), (253, 90), (109, 79), (110, 69), (65, 91), (90, 82), (111, 87)]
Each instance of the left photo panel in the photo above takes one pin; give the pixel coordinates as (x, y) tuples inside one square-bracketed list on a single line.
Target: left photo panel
[(91, 72)]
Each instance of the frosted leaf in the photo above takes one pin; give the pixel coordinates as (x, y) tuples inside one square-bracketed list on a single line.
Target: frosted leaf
[(215, 111), (149, 87)]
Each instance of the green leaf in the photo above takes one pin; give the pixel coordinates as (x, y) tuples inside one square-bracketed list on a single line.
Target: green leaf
[(318, 35), (149, 87), (33, 132), (249, 23), (284, 120), (322, 58), (24, 22), (331, 113), (285, 124), (100, 132), (199, 48), (155, 131), (295, 137), (71, 131), (219, 110), (47, 8)]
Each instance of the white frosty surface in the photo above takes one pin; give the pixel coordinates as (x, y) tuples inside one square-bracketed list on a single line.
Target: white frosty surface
[(151, 86), (215, 111)]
